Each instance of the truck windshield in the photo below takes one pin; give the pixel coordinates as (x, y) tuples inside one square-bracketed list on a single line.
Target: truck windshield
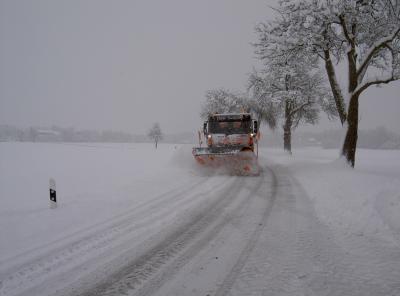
[(229, 127)]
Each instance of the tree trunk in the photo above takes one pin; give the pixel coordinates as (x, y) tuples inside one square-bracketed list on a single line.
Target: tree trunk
[(156, 143), (350, 142), (287, 135), (337, 94), (287, 140), (287, 127)]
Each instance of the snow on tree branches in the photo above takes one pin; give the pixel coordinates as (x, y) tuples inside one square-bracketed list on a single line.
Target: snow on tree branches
[(223, 101), (364, 34), (293, 92), (290, 84)]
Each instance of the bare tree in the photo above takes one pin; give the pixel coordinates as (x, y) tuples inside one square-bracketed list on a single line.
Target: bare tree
[(155, 134), (364, 34)]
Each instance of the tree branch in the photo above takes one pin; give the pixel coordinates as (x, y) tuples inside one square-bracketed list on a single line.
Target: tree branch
[(350, 39), (299, 108), (374, 50), (375, 82)]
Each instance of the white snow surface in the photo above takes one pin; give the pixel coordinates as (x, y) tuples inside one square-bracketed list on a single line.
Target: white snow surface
[(94, 183), (360, 201), (133, 220)]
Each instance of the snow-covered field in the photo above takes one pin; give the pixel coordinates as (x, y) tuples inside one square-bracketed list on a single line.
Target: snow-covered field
[(138, 221), (360, 201), (94, 183)]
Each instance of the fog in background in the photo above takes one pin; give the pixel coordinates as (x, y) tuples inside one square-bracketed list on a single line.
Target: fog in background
[(123, 65)]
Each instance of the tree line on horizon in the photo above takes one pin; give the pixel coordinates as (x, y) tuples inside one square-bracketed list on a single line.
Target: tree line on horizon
[(10, 133), (61, 134), (378, 138)]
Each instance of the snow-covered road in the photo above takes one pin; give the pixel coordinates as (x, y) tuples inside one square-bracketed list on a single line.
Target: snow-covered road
[(207, 235)]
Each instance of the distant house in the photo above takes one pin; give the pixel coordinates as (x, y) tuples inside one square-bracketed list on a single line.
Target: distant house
[(43, 135)]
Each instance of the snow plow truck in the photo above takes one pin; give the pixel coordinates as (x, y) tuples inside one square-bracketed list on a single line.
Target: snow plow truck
[(230, 144)]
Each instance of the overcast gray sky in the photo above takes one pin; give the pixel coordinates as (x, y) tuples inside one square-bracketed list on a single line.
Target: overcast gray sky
[(123, 65)]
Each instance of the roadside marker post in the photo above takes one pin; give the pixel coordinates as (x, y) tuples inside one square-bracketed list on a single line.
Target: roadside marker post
[(53, 194)]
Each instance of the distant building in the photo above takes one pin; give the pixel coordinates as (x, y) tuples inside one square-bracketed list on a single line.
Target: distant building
[(43, 135)]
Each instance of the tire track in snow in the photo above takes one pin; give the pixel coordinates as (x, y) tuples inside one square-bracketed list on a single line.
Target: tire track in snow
[(81, 234), (271, 268), (226, 285), (150, 287), (19, 278), (297, 254), (148, 272)]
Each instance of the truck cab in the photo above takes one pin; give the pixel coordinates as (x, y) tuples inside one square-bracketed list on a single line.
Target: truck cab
[(235, 131)]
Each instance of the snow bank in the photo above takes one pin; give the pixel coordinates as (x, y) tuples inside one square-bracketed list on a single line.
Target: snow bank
[(364, 201)]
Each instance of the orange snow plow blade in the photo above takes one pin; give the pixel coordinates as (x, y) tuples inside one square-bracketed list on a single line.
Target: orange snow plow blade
[(235, 162)]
